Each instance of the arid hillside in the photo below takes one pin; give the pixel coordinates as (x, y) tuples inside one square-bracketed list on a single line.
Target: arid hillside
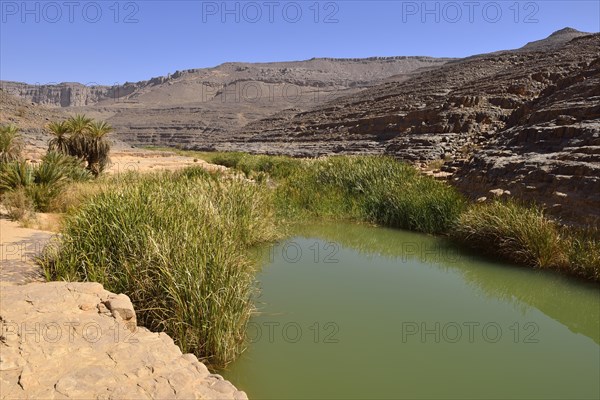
[(31, 118), (197, 106), (437, 113)]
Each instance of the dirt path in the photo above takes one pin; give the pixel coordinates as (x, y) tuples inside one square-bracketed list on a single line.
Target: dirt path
[(18, 249), (148, 161)]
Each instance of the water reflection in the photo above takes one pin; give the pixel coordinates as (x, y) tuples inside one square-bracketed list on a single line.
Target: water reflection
[(355, 311), (559, 297)]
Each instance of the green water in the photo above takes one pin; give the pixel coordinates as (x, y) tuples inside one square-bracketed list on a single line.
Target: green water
[(351, 311)]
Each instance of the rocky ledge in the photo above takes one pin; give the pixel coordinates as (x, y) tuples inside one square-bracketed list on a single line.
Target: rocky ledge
[(64, 340)]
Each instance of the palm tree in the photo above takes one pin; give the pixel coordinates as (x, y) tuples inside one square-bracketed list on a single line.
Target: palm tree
[(10, 144), (99, 129), (97, 147), (79, 124), (78, 127), (16, 174), (60, 141)]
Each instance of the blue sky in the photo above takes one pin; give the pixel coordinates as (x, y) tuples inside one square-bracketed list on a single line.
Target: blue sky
[(108, 42)]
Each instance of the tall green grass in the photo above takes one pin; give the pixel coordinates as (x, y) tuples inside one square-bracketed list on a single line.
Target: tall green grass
[(253, 165), (583, 252), (367, 188), (376, 189), (176, 244), (526, 236)]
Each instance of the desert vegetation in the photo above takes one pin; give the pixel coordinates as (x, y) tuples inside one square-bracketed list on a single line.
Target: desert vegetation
[(83, 138), (524, 235), (77, 152), (10, 144), (374, 189)]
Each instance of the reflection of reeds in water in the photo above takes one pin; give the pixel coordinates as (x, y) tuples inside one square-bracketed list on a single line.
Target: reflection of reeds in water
[(573, 303), (176, 244)]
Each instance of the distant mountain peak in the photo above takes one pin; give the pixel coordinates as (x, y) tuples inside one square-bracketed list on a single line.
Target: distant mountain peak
[(565, 31), (555, 40)]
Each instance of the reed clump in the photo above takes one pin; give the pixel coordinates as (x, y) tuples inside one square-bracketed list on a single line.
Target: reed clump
[(375, 189), (176, 243), (524, 235)]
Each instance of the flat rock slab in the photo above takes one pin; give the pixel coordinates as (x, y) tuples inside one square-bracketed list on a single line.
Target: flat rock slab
[(62, 340)]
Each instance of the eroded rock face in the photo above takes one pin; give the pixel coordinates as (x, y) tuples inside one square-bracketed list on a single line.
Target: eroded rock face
[(65, 94), (31, 119), (550, 151), (440, 113), (64, 340)]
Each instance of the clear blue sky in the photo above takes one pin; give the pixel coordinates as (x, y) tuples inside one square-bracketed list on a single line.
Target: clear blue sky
[(109, 42)]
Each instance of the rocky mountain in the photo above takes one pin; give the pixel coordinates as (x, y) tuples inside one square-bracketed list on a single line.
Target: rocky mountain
[(554, 41), (193, 106), (549, 151), (439, 113)]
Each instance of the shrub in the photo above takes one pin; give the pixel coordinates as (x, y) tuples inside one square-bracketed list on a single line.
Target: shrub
[(70, 167), (14, 175), (18, 205), (229, 160), (49, 173), (44, 182)]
